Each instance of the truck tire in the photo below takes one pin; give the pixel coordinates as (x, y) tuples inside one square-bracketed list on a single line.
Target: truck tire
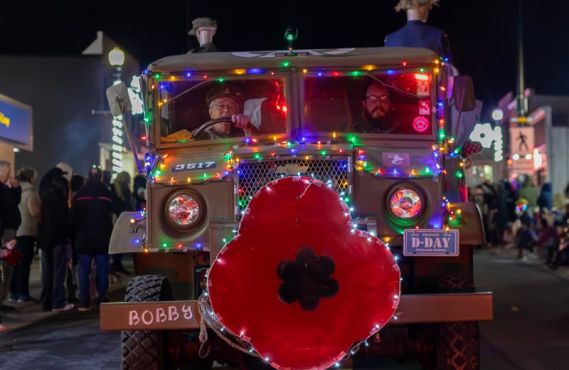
[(142, 349), (458, 343)]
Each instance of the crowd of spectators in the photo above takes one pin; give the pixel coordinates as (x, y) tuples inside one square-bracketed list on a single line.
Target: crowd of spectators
[(65, 220), (521, 214)]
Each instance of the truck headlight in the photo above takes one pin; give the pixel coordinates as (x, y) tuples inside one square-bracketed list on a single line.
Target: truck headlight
[(405, 203), (184, 210)]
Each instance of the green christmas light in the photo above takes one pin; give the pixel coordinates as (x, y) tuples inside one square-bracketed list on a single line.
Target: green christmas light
[(157, 76), (221, 79), (458, 174), (354, 139), (285, 64), (356, 73)]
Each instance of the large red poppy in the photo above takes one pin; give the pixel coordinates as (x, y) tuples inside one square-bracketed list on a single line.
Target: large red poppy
[(297, 282)]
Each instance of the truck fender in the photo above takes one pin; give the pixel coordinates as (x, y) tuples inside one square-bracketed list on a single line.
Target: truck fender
[(129, 233)]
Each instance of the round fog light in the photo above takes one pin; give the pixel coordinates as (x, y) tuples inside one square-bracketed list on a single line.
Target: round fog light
[(405, 203), (184, 211)]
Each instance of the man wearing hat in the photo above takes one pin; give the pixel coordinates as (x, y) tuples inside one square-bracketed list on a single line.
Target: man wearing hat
[(204, 29), (417, 33), (225, 101)]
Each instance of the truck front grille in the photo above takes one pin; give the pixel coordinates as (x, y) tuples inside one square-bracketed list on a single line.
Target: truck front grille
[(252, 175)]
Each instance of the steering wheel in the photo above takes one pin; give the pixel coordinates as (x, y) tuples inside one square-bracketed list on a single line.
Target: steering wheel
[(212, 122)]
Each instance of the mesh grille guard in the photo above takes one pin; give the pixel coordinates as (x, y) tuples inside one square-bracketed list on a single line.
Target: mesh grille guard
[(252, 175)]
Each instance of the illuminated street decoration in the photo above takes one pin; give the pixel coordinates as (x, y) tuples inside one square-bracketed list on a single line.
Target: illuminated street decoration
[(484, 134), (117, 145), (498, 145), (488, 136), (116, 59), (135, 96)]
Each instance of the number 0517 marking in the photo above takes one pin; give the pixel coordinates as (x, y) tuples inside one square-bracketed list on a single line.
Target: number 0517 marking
[(179, 167)]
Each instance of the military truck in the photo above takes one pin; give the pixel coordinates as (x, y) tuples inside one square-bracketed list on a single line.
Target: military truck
[(372, 123)]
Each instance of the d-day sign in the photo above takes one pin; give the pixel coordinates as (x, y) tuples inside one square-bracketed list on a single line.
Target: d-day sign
[(430, 242)]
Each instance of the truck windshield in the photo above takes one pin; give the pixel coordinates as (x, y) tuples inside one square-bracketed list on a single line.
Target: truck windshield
[(385, 103), (216, 109)]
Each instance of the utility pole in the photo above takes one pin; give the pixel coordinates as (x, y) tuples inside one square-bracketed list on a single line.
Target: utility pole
[(521, 99)]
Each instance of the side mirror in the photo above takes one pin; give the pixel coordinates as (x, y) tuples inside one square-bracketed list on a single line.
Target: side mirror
[(463, 94), (119, 102)]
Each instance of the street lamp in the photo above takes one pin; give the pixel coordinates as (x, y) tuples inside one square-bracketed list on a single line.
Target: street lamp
[(116, 60)]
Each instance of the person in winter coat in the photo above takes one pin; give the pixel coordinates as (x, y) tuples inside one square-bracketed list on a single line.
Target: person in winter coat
[(91, 228), (545, 199), (10, 219), (26, 235), (53, 239)]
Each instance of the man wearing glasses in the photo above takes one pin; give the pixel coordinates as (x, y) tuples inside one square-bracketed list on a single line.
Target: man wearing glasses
[(224, 101), (376, 108)]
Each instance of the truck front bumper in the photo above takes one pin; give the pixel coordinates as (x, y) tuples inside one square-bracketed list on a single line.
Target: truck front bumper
[(184, 315)]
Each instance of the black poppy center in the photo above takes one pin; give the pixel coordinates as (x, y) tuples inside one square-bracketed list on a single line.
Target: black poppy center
[(307, 279)]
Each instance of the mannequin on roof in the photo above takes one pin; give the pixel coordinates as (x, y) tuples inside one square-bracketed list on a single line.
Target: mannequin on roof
[(416, 32), (204, 29)]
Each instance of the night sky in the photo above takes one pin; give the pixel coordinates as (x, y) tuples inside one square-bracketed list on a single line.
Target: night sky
[(482, 32)]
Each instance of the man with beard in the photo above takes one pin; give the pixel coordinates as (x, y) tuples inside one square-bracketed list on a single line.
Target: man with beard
[(376, 108)]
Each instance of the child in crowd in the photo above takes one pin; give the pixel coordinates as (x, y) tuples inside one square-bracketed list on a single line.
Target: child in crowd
[(525, 237)]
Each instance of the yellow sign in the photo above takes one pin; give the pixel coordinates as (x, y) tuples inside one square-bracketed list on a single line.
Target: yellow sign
[(4, 120)]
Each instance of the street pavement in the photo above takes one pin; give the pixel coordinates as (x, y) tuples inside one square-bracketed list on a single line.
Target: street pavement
[(530, 329), (59, 340), (25, 314)]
